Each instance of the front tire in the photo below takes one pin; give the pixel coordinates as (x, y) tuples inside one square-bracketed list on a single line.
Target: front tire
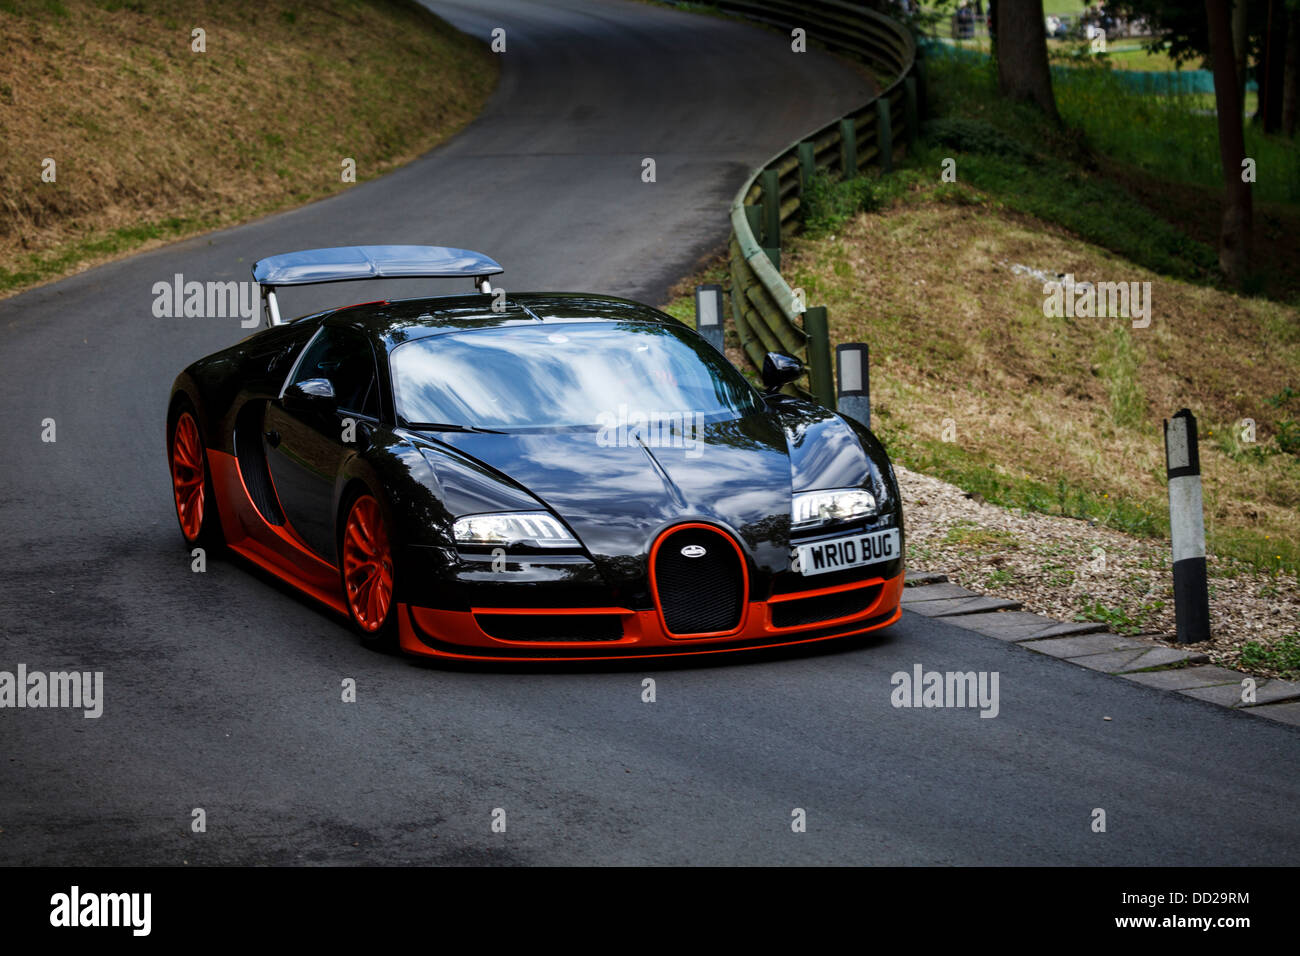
[(196, 502), (367, 571)]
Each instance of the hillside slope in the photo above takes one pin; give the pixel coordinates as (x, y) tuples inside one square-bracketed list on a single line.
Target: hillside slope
[(152, 138)]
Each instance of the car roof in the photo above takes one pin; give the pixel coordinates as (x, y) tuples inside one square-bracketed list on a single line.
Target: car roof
[(391, 323)]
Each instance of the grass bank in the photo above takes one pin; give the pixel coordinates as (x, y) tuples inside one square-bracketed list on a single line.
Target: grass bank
[(153, 140), (1063, 414)]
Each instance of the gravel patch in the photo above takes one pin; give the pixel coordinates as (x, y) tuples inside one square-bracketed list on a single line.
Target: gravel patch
[(1073, 570)]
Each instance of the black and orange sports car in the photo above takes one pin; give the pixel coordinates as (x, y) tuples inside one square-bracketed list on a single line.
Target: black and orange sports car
[(532, 476)]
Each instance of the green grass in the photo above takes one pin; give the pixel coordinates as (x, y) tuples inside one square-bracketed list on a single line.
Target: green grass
[(978, 473), (828, 202), (995, 159), (1161, 134), (1282, 656), (1058, 575), (1059, 7), (1119, 367), (1118, 619), (1131, 55), (981, 540), (998, 578), (35, 8), (1171, 136), (1050, 8), (975, 473), (41, 268)]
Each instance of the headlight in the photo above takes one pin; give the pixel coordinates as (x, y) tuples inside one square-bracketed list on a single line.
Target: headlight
[(811, 509), (516, 527)]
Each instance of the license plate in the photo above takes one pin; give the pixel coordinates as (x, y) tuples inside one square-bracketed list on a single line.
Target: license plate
[(851, 551)]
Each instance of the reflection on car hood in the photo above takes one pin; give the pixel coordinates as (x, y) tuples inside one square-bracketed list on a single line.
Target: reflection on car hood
[(618, 487)]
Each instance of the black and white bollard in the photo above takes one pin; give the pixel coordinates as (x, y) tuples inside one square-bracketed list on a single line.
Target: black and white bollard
[(708, 314), (1187, 528), (854, 378)]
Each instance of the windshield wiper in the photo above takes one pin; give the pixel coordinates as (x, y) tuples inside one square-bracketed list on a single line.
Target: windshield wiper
[(448, 427)]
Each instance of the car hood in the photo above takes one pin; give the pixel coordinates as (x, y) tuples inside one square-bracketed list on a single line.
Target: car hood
[(618, 487)]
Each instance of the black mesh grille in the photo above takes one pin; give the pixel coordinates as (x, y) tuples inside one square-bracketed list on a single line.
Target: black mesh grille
[(702, 594), (824, 607), (552, 627)]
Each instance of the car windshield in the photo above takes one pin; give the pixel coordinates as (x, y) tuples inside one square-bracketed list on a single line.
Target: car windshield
[(565, 374)]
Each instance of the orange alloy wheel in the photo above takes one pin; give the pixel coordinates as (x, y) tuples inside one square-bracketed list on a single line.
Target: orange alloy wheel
[(188, 475), (367, 565)]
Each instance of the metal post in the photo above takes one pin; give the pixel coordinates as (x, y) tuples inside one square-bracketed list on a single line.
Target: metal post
[(1187, 528), (271, 306), (708, 314), (848, 148), (754, 216), (918, 70), (807, 164), (816, 324), (771, 184), (909, 111), (854, 377), (884, 135)]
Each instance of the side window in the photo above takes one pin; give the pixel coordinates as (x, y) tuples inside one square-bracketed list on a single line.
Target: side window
[(345, 358)]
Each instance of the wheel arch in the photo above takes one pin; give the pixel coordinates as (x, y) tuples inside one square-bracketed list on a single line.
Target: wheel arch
[(186, 392), (352, 484)]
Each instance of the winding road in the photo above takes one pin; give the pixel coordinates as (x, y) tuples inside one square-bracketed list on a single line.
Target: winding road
[(222, 689)]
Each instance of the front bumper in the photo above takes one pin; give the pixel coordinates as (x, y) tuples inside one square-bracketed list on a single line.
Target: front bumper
[(871, 603)]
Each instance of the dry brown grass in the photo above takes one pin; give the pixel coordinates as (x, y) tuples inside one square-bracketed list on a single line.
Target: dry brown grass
[(152, 140), (956, 335)]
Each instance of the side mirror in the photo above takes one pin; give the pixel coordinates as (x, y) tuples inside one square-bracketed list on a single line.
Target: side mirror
[(311, 395), (779, 370)]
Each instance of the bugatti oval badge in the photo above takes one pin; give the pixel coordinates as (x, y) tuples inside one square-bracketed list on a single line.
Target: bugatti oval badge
[(693, 551)]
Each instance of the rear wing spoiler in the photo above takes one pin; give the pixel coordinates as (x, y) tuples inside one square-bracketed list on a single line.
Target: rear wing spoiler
[(349, 263)]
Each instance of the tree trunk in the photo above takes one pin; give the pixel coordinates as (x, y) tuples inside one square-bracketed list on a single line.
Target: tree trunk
[(1240, 42), (1291, 82), (1271, 72), (1235, 234), (1023, 73)]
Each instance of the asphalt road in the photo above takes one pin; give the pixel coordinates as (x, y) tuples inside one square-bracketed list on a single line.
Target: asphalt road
[(222, 690)]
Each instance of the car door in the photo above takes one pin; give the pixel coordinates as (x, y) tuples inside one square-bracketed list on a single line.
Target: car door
[(308, 437)]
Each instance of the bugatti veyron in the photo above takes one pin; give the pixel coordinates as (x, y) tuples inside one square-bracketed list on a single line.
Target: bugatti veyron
[(531, 476)]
